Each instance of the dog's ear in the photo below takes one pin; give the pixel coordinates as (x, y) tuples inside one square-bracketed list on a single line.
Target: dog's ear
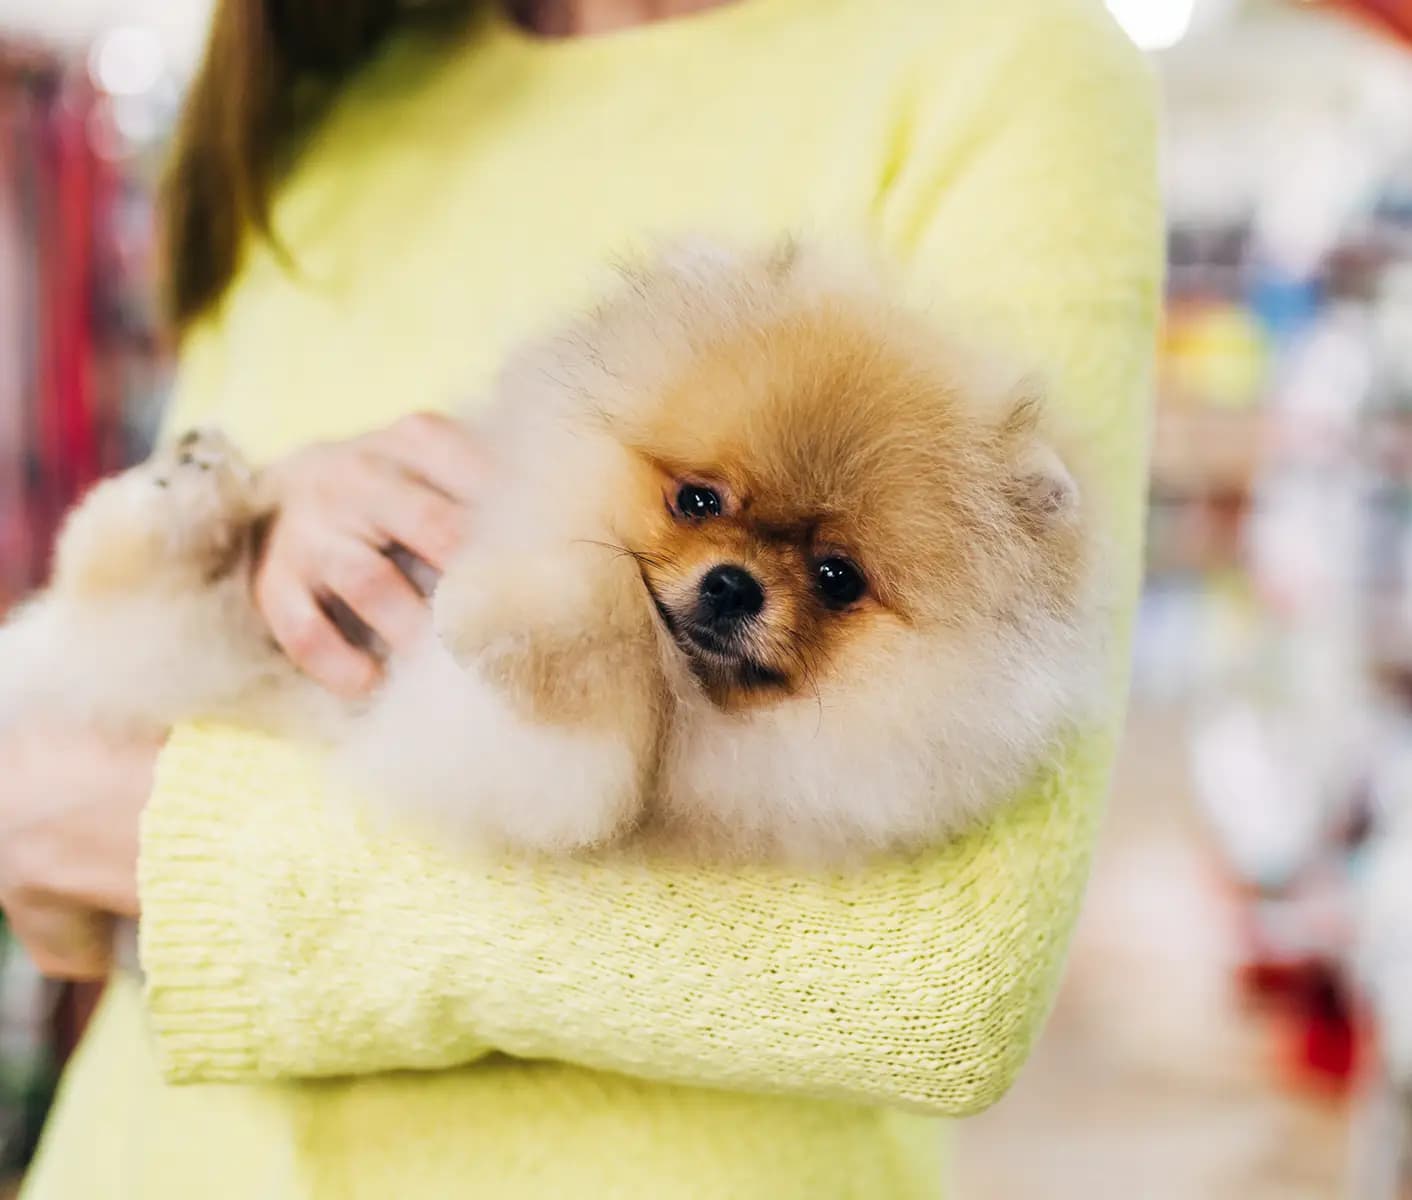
[(1041, 486)]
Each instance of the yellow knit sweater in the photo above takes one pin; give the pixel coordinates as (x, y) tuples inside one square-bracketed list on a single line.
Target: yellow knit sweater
[(603, 1030)]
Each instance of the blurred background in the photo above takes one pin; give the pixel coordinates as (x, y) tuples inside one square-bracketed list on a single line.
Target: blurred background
[(1237, 1018)]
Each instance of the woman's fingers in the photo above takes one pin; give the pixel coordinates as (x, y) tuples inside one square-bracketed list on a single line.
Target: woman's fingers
[(375, 591), (63, 941), (437, 449), (306, 634), (326, 582), (403, 511), (362, 580)]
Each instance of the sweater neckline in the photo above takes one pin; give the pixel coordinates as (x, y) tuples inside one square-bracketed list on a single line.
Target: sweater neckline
[(729, 18)]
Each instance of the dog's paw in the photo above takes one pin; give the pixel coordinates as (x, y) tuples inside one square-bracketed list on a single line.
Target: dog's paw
[(509, 621), (493, 604), (202, 494), (469, 610), (188, 509), (202, 466)]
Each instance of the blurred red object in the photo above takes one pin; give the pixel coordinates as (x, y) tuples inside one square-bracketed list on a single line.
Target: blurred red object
[(1393, 16), (1325, 1037), (1319, 1039)]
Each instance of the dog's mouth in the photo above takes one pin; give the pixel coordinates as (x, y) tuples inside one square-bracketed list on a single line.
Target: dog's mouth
[(718, 661)]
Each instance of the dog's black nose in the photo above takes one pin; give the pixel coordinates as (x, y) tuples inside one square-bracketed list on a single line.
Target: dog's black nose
[(730, 595)]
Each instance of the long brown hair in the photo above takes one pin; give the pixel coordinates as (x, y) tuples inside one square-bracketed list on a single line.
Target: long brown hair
[(270, 67)]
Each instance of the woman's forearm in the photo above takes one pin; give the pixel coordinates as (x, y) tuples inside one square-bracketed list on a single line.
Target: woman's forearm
[(283, 940)]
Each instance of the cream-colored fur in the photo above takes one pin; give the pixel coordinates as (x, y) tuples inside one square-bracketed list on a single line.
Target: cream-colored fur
[(569, 695)]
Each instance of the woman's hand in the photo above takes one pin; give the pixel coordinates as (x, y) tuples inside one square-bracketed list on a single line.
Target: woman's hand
[(341, 507), (69, 807)]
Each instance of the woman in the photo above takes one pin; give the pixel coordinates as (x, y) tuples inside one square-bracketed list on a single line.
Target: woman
[(455, 178)]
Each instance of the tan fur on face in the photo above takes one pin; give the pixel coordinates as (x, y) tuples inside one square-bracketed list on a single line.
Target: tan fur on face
[(839, 429)]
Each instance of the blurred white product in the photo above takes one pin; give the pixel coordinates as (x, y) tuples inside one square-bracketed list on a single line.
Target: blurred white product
[(128, 61), (1162, 24), (1310, 498), (1325, 380), (1154, 24), (1297, 224), (1257, 793), (1290, 117), (1302, 542)]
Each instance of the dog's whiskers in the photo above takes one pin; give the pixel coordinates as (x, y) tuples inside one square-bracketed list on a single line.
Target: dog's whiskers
[(642, 558)]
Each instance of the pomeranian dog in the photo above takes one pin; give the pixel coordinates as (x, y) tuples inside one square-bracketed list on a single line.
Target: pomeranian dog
[(771, 568)]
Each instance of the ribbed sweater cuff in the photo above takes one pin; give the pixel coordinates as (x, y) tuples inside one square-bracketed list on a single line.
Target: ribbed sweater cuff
[(199, 991)]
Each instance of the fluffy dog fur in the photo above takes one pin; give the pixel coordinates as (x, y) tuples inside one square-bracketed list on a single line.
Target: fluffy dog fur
[(581, 687)]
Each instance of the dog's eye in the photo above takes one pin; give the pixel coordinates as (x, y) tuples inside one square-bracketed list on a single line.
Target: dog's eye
[(697, 503), (840, 582)]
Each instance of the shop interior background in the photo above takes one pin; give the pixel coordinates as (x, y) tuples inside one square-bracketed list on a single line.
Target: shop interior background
[(1237, 1019)]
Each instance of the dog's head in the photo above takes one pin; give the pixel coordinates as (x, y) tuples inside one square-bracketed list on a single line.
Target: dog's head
[(831, 482)]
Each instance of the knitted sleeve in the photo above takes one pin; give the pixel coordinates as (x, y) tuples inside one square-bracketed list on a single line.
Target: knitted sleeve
[(282, 938)]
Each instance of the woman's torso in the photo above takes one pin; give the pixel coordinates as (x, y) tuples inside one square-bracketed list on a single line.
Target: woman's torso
[(453, 203)]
